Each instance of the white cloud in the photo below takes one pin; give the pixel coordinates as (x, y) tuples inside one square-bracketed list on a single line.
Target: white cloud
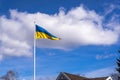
[(26, 78), (115, 19), (76, 27), (101, 72), (110, 9), (38, 78), (51, 54), (47, 78), (104, 56), (12, 38), (1, 57)]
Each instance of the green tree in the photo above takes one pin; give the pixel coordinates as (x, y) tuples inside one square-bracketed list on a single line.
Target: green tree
[(118, 63), (10, 75), (118, 66)]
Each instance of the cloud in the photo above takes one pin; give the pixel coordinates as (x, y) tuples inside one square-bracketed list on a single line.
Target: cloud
[(111, 7), (101, 72), (26, 78), (12, 38), (38, 78), (51, 54), (77, 27), (1, 57), (47, 78), (113, 16), (104, 56)]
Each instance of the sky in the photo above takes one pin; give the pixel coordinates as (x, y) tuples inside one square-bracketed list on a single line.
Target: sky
[(89, 32)]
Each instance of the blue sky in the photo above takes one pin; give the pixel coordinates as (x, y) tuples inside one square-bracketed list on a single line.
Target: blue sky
[(89, 32)]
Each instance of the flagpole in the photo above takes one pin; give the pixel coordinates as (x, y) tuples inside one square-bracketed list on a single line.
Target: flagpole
[(34, 53)]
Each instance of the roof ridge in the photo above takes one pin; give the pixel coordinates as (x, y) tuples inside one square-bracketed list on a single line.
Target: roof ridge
[(64, 73), (79, 77), (74, 77), (74, 74)]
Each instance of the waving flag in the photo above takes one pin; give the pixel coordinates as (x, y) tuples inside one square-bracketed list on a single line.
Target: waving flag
[(42, 33)]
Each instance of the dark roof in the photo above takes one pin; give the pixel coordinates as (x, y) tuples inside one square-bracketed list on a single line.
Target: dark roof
[(100, 78), (75, 77), (78, 77)]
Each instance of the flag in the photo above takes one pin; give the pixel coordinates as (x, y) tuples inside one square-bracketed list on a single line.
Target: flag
[(42, 33)]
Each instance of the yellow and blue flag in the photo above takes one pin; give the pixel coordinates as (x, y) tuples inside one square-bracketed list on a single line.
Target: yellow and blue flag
[(42, 33)]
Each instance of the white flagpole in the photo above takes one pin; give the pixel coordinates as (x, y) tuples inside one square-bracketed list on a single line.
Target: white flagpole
[(34, 53)]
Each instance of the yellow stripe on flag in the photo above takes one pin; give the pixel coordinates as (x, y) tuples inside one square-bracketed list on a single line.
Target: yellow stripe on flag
[(45, 36)]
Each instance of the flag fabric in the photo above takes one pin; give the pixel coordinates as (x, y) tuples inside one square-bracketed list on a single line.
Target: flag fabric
[(42, 33)]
